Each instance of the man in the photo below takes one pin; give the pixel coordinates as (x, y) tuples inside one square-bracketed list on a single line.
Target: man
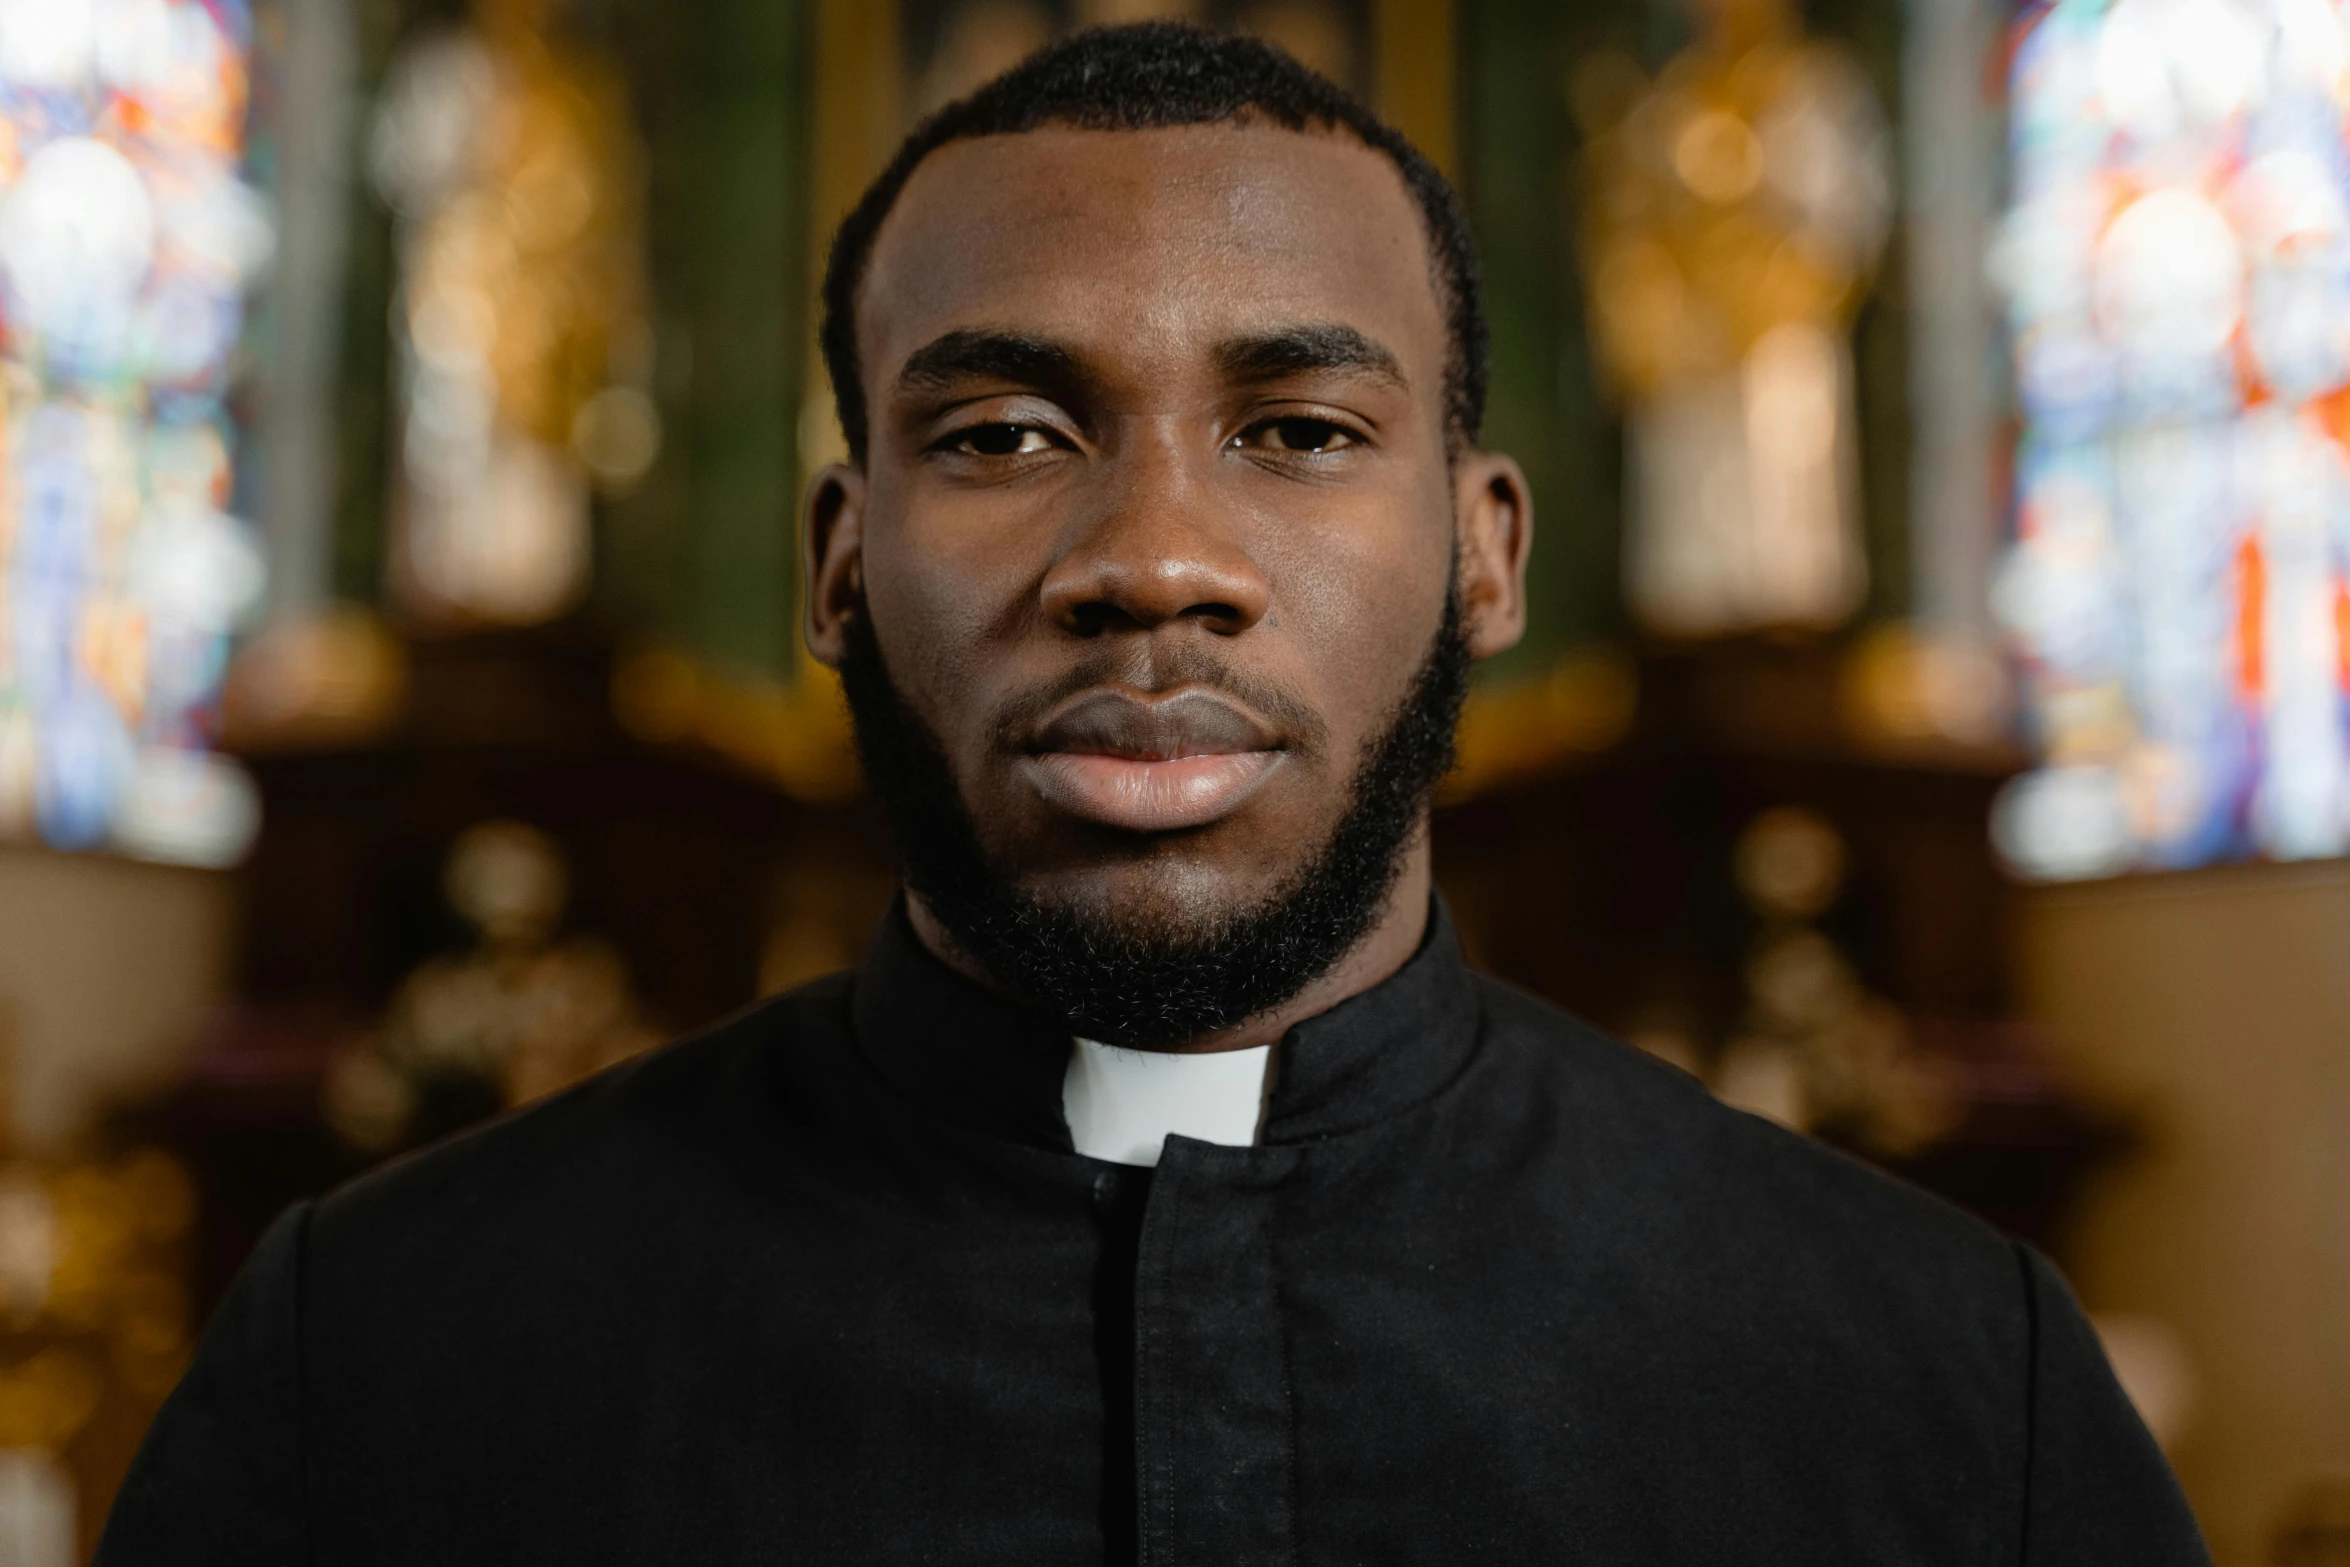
[(1163, 1188)]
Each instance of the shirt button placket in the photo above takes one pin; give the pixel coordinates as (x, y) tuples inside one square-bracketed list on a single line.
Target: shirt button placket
[(1214, 1461)]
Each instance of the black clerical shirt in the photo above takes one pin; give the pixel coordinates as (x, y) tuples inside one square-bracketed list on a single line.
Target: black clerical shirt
[(827, 1284)]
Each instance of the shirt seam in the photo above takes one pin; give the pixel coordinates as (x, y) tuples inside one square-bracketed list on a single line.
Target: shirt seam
[(2031, 1399), (1156, 1541), (302, 1445), (1281, 1317)]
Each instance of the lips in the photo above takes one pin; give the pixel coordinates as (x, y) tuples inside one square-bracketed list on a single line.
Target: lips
[(1160, 764)]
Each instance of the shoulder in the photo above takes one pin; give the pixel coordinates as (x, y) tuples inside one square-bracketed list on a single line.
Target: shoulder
[(622, 1146), (1834, 1296), (1709, 1187)]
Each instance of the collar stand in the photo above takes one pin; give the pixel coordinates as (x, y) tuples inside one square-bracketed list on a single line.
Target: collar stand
[(988, 1063)]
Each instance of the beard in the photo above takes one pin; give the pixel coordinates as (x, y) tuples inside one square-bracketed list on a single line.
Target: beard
[(1147, 979)]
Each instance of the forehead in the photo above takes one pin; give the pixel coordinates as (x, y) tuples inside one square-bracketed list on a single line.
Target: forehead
[(1143, 244)]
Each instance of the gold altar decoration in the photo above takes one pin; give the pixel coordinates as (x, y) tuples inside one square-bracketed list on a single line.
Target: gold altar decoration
[(794, 733), (331, 676), (94, 1332), (523, 1013), (1734, 208), (1582, 705), (1817, 1051), (527, 355)]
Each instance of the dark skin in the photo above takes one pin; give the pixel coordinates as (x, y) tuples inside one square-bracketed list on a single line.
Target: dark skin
[(1155, 525)]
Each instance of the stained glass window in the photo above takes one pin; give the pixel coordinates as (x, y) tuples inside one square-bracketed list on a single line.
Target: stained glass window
[(127, 241), (2176, 264)]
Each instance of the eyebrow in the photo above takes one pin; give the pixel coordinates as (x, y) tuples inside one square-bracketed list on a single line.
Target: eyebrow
[(976, 355), (967, 355), (1297, 350)]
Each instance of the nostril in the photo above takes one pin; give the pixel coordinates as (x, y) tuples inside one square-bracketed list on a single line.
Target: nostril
[(1096, 616)]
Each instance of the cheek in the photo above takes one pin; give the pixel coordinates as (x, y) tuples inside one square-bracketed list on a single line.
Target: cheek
[(933, 610), (1357, 604), (962, 564)]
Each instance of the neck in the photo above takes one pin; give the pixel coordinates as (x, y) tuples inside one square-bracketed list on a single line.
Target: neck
[(1389, 944)]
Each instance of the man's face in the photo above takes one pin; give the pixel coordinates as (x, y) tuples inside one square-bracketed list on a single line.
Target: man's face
[(1156, 526)]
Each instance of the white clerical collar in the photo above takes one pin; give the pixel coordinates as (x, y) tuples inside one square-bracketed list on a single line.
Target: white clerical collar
[(1123, 1105)]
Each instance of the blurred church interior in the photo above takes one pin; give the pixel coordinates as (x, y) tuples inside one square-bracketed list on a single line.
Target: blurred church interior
[(1934, 732)]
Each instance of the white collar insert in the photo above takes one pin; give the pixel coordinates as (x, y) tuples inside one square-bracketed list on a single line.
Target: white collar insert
[(1123, 1105)]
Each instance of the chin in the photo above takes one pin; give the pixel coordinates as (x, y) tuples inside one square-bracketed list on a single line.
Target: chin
[(1169, 893)]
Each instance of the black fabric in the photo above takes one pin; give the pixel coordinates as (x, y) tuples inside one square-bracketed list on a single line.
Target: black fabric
[(827, 1284)]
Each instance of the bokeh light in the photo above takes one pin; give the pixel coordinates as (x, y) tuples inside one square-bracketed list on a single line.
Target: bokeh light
[(2176, 263), (127, 242)]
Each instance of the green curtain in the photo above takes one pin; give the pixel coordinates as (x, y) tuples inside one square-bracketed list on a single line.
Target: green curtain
[(706, 552)]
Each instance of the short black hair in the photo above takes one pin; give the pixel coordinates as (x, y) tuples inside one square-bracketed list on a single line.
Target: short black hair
[(1151, 76)]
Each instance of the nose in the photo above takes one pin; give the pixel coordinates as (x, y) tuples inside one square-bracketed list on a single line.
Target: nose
[(1158, 552)]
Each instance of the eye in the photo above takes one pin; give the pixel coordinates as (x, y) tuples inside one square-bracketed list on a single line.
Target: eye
[(1298, 435), (997, 440)]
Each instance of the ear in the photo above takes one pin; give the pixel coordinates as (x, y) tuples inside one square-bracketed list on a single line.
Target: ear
[(1493, 513), (833, 564)]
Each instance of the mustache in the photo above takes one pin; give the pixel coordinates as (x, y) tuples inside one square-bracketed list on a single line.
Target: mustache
[(1162, 701), (1094, 970)]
